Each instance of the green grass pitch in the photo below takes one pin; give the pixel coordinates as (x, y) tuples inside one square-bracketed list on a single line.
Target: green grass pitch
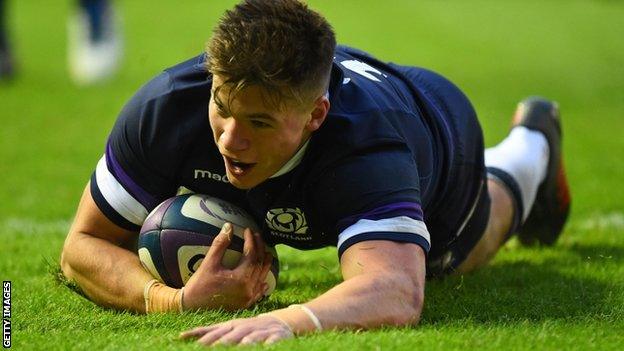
[(570, 296)]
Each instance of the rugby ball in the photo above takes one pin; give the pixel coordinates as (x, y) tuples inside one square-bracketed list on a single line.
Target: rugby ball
[(177, 234)]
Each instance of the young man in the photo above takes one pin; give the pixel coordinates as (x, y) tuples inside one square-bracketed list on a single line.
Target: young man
[(385, 162)]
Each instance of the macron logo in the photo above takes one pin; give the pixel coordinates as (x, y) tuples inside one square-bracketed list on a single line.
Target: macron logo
[(362, 69), (204, 174)]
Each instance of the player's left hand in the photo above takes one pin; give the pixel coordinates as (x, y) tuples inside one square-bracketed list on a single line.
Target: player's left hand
[(261, 329)]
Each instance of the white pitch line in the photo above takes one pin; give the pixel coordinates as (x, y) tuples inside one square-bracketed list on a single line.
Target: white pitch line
[(603, 221), (34, 226), (597, 221)]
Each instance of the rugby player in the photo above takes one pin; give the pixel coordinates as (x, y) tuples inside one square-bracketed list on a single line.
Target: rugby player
[(385, 162)]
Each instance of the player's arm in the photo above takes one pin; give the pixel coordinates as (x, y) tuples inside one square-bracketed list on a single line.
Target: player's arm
[(97, 256), (100, 257), (382, 245), (383, 285), (99, 250), (130, 180)]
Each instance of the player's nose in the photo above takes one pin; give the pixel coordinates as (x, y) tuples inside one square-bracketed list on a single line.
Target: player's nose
[(234, 138)]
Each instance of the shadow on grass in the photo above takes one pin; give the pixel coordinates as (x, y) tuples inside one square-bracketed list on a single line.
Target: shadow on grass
[(310, 270), (54, 270), (597, 251), (522, 290)]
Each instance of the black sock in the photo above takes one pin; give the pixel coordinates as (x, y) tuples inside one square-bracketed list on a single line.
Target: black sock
[(514, 190)]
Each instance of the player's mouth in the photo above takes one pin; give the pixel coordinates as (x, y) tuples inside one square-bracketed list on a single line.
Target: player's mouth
[(237, 167)]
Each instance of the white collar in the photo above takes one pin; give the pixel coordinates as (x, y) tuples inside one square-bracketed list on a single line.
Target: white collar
[(293, 162)]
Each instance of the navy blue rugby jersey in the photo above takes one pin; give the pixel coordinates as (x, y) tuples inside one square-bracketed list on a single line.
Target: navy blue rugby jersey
[(369, 173)]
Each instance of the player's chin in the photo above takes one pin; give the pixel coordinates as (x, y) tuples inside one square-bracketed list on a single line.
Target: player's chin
[(244, 181), (237, 183)]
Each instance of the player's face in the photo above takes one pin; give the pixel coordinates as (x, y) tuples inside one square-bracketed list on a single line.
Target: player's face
[(256, 140)]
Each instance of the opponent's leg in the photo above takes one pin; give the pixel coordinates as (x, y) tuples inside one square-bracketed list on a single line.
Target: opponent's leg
[(95, 45), (6, 59), (96, 11), (527, 183)]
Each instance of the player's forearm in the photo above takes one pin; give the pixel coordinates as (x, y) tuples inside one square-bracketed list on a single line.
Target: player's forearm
[(109, 275), (366, 301)]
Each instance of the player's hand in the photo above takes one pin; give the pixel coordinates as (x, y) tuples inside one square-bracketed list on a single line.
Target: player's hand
[(214, 286), (261, 329)]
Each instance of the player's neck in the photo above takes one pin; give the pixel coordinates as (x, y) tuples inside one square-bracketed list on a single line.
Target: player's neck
[(294, 161)]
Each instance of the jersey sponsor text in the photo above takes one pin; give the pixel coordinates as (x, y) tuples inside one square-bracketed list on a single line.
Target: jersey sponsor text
[(205, 174)]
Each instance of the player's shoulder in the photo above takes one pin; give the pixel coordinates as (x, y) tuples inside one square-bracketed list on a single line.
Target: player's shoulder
[(345, 51), (361, 83), (367, 107), (190, 74), (167, 114), (180, 90), (185, 76)]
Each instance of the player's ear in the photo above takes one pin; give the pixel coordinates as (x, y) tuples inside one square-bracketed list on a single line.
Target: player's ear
[(318, 114)]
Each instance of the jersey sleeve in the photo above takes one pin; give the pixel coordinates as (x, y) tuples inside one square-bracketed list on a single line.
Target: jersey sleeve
[(135, 173), (374, 196)]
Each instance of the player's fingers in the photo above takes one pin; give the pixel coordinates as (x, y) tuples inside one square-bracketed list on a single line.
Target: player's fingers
[(260, 254), (255, 337), (274, 337), (219, 244), (260, 247), (210, 337), (266, 266), (196, 332), (234, 336), (257, 293), (260, 276), (261, 285), (252, 263), (250, 253)]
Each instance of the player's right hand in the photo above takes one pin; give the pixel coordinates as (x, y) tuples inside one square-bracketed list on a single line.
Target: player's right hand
[(215, 286)]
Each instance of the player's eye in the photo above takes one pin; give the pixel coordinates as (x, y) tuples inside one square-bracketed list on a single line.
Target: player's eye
[(221, 110), (260, 124)]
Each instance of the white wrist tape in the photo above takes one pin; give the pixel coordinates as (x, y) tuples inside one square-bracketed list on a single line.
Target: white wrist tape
[(313, 317)]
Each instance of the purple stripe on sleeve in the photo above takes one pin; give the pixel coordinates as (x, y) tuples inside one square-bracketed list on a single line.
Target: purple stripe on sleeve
[(407, 209), (124, 179)]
